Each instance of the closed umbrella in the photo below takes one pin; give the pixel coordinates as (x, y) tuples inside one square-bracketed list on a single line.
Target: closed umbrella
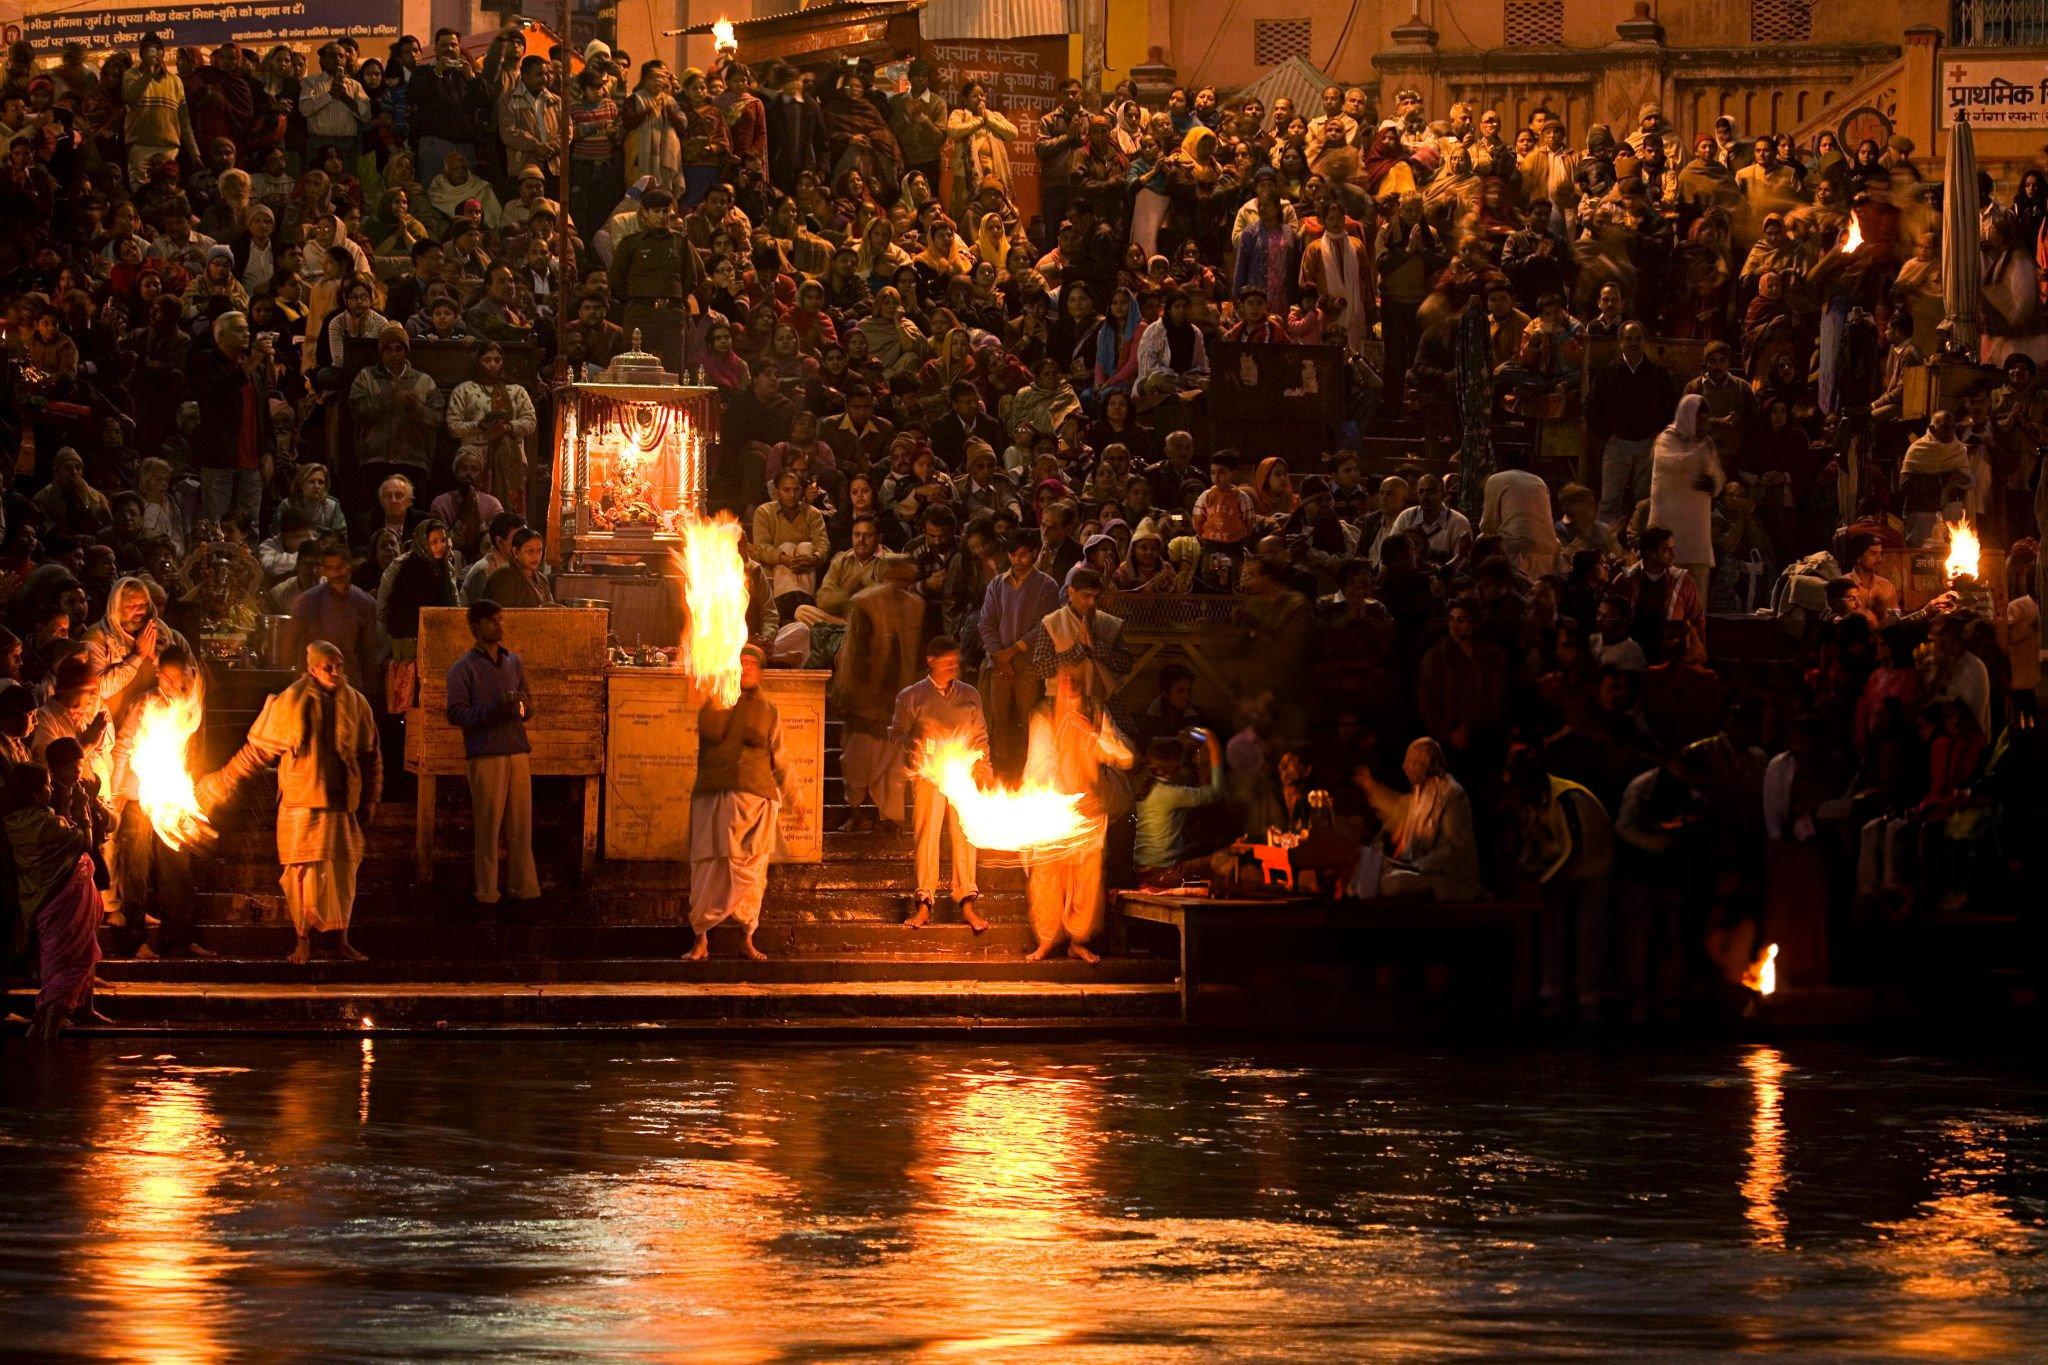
[(1962, 255)]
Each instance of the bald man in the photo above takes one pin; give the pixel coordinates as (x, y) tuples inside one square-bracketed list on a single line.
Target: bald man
[(323, 740)]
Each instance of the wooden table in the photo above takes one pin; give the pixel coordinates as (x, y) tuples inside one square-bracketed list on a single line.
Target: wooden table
[(1192, 916)]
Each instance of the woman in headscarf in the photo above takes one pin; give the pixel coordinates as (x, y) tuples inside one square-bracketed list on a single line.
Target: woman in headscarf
[(457, 184), (1203, 198), (1918, 287), (1703, 181), (521, 583), (1073, 327), (1171, 355), (1116, 345), (1700, 313), (877, 257), (980, 138), (1145, 567), (69, 505), (424, 576), (1685, 473), (857, 132), (53, 875), (1429, 847), (2030, 208), (992, 240), (1150, 184), (1388, 166), (2012, 302), (394, 229), (707, 143), (951, 363), (1273, 489), (894, 343)]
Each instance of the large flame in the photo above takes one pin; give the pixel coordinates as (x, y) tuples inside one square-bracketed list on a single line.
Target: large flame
[(723, 39), (163, 783), (1033, 818), (1963, 552), (1854, 238), (1762, 976), (715, 593)]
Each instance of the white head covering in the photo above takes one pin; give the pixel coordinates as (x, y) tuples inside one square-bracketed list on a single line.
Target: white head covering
[(1690, 417)]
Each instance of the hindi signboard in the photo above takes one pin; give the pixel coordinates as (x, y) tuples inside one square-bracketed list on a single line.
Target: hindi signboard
[(108, 25), (1023, 78), (1995, 94)]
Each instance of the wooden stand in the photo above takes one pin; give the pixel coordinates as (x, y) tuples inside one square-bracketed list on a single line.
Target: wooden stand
[(563, 652), (651, 762)]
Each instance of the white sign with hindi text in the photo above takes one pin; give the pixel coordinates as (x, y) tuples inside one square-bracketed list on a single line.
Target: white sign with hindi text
[(1995, 94)]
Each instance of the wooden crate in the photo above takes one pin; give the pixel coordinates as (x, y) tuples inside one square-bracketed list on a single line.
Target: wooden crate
[(563, 652)]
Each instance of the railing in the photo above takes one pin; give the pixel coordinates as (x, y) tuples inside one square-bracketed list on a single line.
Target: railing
[(1999, 23)]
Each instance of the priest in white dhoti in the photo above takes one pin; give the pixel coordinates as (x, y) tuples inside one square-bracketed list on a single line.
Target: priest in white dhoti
[(743, 778), (320, 734)]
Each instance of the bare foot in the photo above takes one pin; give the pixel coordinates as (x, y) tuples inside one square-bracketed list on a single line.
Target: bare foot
[(973, 916), (302, 952), (343, 950), (747, 947), (700, 951), (1075, 950), (921, 917), (1039, 954)]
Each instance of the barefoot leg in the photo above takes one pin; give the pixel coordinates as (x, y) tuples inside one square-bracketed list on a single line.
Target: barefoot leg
[(973, 916), (747, 947), (1040, 953), (346, 951), (699, 950), (1080, 953), (302, 951)]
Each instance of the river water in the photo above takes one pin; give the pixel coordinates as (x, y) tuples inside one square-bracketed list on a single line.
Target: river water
[(424, 1199)]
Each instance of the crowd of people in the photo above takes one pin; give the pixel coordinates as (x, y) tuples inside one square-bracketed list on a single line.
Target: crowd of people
[(961, 432)]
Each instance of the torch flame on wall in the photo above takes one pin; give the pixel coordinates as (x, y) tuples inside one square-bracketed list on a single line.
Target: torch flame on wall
[(723, 39), (1963, 552), (163, 782), (1032, 818), (1762, 976), (715, 593)]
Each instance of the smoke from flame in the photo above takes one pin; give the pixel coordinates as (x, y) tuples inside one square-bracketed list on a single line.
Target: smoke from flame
[(715, 593), (1762, 976), (1034, 818), (163, 782), (1963, 552)]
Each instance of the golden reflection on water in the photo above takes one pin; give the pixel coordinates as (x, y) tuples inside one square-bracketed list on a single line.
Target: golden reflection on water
[(1763, 1187), (1009, 1156), (150, 1187)]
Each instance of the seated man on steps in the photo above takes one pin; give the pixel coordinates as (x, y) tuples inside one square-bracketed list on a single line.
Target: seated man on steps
[(940, 706)]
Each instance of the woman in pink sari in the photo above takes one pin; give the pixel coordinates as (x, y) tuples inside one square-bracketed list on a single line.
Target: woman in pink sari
[(53, 870)]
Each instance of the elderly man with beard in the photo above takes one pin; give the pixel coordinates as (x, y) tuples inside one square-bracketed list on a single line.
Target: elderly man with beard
[(321, 737)]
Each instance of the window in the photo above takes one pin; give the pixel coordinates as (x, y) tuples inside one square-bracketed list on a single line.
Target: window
[(1781, 21), (1277, 40), (1533, 22)]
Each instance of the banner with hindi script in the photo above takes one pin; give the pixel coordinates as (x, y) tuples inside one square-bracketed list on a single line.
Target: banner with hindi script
[(109, 25), (1023, 78), (1995, 94)]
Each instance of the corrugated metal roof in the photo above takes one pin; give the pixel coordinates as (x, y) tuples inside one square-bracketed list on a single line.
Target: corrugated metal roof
[(943, 19), (1298, 79)]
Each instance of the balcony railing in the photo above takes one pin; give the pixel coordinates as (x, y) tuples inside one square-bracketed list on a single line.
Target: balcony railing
[(1999, 23)]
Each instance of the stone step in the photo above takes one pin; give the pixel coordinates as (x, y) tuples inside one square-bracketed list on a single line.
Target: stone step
[(383, 878), (446, 940), (588, 908), (434, 1006), (902, 966)]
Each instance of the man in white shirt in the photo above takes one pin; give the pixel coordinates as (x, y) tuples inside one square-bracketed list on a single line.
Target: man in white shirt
[(1517, 509), (1445, 528), (335, 109)]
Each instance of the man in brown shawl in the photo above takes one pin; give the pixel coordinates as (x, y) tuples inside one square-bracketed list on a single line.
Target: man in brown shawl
[(321, 735), (883, 655)]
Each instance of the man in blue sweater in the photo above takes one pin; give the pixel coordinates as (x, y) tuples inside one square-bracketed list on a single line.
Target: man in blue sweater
[(487, 699)]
